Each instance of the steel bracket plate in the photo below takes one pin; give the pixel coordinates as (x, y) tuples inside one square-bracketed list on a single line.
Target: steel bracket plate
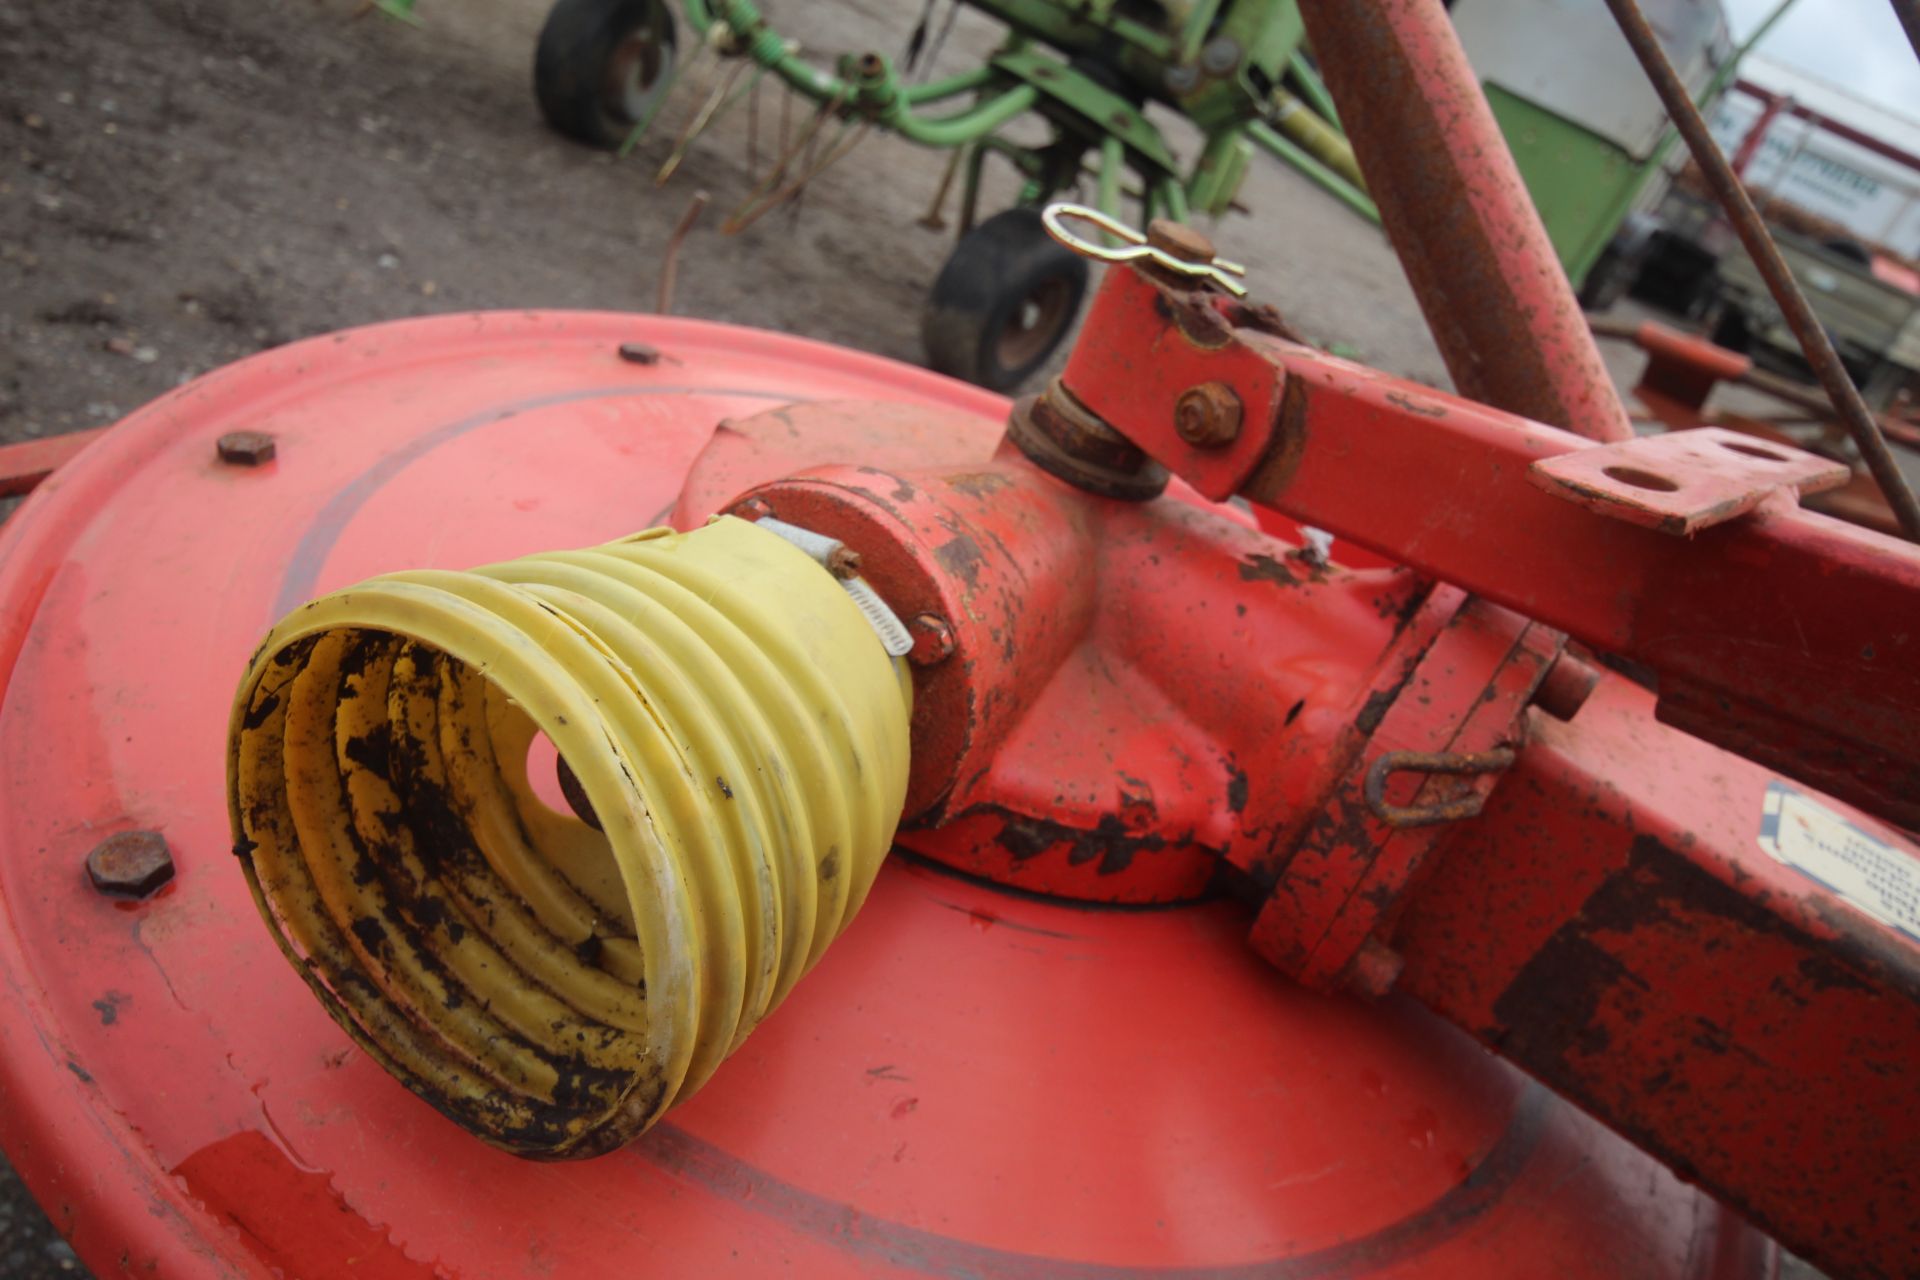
[(1686, 481)]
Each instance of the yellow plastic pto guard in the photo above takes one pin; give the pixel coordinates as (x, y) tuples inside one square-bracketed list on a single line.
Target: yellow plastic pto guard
[(730, 740)]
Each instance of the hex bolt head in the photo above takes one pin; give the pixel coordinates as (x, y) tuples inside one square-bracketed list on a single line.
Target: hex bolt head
[(246, 448), (133, 864), (1180, 241), (933, 641), (1374, 969), (639, 353), (844, 563), (1208, 416), (1220, 55)]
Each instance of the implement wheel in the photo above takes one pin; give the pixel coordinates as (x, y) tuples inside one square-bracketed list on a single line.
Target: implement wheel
[(601, 65), (1004, 301)]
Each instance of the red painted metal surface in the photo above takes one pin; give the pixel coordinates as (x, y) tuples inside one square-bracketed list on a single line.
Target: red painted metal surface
[(1463, 696), (1191, 349), (1685, 482), (1459, 216), (971, 1083), (1610, 924), (1785, 636), (1682, 368), (1084, 738), (1629, 868), (25, 464)]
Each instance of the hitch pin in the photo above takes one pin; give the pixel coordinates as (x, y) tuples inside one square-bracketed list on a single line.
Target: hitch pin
[(1134, 246)]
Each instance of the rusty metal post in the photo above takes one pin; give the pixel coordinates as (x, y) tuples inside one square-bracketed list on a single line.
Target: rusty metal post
[(1733, 198), (1459, 216), (1909, 12)]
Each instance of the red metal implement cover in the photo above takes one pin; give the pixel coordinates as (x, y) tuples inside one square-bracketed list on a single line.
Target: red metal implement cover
[(971, 1083)]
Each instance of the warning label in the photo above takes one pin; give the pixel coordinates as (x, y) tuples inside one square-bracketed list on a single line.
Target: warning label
[(1873, 875)]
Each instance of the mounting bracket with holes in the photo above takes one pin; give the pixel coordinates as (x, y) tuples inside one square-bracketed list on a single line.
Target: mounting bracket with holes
[(1684, 481)]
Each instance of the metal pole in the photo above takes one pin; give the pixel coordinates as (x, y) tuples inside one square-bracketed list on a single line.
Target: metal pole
[(1723, 75), (1451, 200), (670, 263), (1799, 316), (1909, 11)]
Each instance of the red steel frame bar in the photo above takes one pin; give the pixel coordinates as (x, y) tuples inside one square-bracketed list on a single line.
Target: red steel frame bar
[(1609, 922), (24, 465), (1814, 342), (1773, 104), (1452, 202), (1785, 636)]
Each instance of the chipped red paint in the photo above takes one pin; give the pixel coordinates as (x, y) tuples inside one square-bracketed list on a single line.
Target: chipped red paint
[(1466, 693), (1124, 719), (1081, 738), (1610, 924), (1784, 635), (288, 1216), (1190, 348)]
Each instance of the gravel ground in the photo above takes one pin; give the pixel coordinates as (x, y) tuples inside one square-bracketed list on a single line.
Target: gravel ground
[(184, 182)]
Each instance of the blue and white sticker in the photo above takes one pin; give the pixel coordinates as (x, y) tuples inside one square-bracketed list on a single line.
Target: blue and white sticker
[(1873, 876)]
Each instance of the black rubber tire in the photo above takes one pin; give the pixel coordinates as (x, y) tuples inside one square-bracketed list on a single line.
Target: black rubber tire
[(1731, 330), (980, 322), (1607, 281), (574, 65)]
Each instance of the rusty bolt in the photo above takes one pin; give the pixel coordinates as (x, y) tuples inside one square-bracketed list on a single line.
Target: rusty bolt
[(1208, 416), (932, 640), (132, 864), (245, 448), (843, 562), (639, 353), (752, 510), (1180, 241), (1374, 969)]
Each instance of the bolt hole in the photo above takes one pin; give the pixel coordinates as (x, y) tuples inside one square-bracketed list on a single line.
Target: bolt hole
[(543, 773), (548, 777), (1640, 479), (1753, 451)]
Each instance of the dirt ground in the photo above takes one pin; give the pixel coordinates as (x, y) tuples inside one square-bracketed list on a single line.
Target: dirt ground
[(184, 182), (188, 181)]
